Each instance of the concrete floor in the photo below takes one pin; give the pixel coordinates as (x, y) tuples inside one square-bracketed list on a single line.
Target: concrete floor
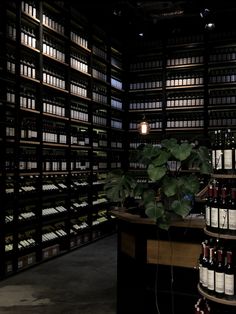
[(81, 282)]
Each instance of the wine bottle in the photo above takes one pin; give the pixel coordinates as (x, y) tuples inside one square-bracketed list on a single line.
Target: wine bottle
[(211, 272), (219, 274), (213, 150), (232, 210), (223, 209), (205, 265), (200, 263), (229, 276), (209, 204), (215, 208), (228, 152), (219, 152)]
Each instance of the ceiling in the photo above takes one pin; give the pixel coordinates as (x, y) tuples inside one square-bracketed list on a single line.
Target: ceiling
[(128, 16)]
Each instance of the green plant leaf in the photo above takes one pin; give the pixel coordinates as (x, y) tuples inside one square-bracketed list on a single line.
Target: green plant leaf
[(181, 152), (206, 168), (156, 173), (169, 186), (118, 186), (191, 184), (169, 143), (181, 207), (154, 210), (148, 196), (161, 159)]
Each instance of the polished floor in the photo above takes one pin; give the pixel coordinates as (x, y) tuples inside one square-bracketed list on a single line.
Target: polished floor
[(81, 282)]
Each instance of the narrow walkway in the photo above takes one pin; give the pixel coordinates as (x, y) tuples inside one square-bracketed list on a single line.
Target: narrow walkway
[(81, 282)]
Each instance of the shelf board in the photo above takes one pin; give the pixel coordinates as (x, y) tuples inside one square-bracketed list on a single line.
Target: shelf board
[(55, 144), (29, 142), (54, 87), (224, 176), (53, 30), (31, 48), (184, 66), (185, 87), (184, 108), (55, 116), (30, 110), (54, 59), (215, 299), (219, 235), (33, 19), (80, 46), (29, 78)]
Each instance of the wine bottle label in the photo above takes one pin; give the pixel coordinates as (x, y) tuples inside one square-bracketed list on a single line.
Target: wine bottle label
[(214, 217), (204, 276), (232, 219), (223, 218), (208, 213), (210, 279), (200, 273), (219, 282), (229, 284), (228, 156), (213, 159), (218, 159)]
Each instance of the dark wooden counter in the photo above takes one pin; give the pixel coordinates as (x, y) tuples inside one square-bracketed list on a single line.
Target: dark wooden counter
[(161, 247), (156, 265)]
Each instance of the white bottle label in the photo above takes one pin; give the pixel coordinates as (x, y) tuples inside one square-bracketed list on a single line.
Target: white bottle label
[(213, 159), (228, 159), (200, 273), (223, 218), (218, 159), (229, 284), (232, 219), (210, 279), (208, 213), (219, 282), (204, 276), (214, 217)]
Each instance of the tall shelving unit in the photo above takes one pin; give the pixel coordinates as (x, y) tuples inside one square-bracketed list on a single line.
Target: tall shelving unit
[(196, 100), (62, 129)]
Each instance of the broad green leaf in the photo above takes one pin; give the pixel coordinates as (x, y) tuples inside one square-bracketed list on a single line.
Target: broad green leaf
[(154, 210), (161, 159), (169, 143), (192, 184), (156, 173), (206, 168), (149, 196), (181, 207), (169, 187), (182, 152)]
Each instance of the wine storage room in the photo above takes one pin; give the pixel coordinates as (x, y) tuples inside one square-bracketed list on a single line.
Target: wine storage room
[(86, 88)]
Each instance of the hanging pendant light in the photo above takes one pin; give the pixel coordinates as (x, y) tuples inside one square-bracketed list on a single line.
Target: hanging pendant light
[(143, 127)]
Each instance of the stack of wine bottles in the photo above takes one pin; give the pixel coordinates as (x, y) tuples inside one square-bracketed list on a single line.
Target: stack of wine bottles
[(223, 151), (217, 268), (221, 206)]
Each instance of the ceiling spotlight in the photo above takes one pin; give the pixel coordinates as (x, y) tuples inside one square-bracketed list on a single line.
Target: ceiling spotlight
[(210, 26), (117, 12), (208, 19), (141, 34), (204, 13)]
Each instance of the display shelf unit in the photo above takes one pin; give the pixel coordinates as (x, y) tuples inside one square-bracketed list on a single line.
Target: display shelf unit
[(217, 300), (196, 89), (62, 111), (216, 283)]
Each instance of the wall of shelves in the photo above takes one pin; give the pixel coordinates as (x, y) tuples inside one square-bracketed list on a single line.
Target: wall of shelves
[(62, 111)]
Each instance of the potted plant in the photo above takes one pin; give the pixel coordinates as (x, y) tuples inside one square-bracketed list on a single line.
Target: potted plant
[(172, 171)]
